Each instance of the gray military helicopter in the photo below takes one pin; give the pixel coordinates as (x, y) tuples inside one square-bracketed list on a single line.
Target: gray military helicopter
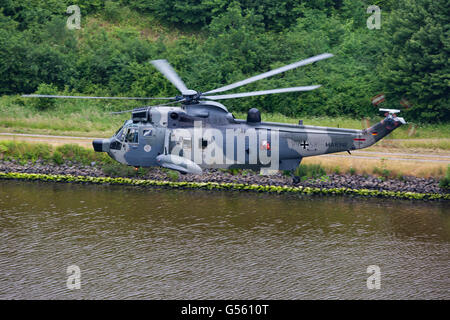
[(202, 133)]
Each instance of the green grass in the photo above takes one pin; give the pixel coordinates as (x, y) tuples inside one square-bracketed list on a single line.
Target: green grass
[(122, 20), (308, 171), (24, 152), (67, 117), (121, 170), (444, 183), (93, 118)]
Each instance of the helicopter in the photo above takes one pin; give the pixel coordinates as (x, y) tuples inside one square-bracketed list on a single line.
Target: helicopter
[(201, 133)]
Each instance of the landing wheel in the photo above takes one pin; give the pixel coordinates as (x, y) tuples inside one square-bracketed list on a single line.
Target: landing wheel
[(295, 180)]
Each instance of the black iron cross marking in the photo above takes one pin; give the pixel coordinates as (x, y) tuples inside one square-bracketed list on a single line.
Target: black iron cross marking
[(304, 144)]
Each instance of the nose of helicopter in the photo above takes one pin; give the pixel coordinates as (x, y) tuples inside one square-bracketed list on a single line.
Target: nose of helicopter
[(101, 145)]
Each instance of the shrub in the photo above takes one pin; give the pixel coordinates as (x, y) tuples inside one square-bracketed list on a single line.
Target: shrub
[(386, 173), (112, 10), (172, 175), (444, 183), (45, 103), (58, 157), (307, 171), (25, 151), (234, 171), (77, 153), (118, 169)]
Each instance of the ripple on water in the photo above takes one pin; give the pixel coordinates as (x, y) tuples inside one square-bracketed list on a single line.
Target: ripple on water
[(133, 243)]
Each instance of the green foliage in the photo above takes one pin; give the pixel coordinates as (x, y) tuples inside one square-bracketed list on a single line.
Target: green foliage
[(45, 103), (34, 151), (444, 183), (234, 171), (307, 171), (77, 153), (25, 151), (121, 170), (215, 42), (172, 175), (382, 172), (417, 64), (112, 10), (58, 157), (352, 171)]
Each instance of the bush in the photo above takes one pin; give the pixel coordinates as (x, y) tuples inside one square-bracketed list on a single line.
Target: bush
[(382, 172), (34, 151), (172, 175), (45, 103), (25, 151), (77, 153), (58, 157), (444, 183), (118, 169), (307, 171), (112, 10)]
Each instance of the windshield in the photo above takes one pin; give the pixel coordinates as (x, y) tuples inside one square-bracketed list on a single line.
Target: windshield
[(117, 134)]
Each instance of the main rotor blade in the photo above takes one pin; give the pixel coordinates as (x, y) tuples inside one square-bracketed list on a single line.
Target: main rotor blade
[(272, 72), (259, 93), (166, 69), (88, 97), (153, 105), (120, 112)]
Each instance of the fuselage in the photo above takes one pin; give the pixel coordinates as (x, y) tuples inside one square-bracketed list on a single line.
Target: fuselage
[(208, 136)]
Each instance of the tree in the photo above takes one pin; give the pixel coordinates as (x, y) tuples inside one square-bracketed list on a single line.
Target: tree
[(416, 64)]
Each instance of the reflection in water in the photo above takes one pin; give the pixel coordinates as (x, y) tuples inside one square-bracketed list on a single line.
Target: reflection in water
[(171, 244)]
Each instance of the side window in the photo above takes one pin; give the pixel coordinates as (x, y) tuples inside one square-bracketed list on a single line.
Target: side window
[(132, 135)]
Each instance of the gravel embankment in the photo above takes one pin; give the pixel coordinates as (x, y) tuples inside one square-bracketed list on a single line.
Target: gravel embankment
[(407, 184)]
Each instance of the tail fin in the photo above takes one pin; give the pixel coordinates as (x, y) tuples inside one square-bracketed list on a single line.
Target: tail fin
[(381, 129)]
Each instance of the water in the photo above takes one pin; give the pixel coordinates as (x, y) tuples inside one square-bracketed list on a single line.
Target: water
[(133, 243)]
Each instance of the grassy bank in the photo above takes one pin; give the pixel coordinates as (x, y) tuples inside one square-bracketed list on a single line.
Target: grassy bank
[(92, 118), (379, 167), (26, 152), (311, 167)]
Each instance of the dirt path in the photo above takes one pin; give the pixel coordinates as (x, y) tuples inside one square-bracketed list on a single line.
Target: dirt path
[(42, 138)]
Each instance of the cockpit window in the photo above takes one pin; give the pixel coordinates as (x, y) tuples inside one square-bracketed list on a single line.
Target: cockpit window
[(122, 133), (118, 133)]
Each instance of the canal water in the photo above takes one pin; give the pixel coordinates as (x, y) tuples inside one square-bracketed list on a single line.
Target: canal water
[(135, 243)]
